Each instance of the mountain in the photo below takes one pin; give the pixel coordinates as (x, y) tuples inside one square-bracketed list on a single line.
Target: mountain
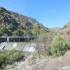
[(14, 24)]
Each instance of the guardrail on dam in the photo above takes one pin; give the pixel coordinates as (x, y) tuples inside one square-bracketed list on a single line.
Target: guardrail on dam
[(16, 38)]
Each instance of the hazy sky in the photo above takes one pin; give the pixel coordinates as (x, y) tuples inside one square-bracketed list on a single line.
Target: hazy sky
[(51, 13)]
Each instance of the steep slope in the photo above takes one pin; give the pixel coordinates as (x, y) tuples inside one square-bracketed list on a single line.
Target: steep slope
[(65, 31), (15, 24)]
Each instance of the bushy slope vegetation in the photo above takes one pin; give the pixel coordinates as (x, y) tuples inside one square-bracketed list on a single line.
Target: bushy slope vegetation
[(59, 46)]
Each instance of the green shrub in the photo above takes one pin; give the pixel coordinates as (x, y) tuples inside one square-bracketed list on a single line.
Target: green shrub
[(14, 56), (9, 57), (2, 59), (49, 52), (59, 46)]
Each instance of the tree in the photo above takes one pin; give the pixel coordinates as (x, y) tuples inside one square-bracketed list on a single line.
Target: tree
[(5, 31), (18, 32)]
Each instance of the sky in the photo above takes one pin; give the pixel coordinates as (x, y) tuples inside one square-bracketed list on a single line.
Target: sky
[(50, 13)]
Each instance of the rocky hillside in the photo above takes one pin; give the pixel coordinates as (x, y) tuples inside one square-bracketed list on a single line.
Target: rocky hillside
[(12, 23), (65, 31)]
